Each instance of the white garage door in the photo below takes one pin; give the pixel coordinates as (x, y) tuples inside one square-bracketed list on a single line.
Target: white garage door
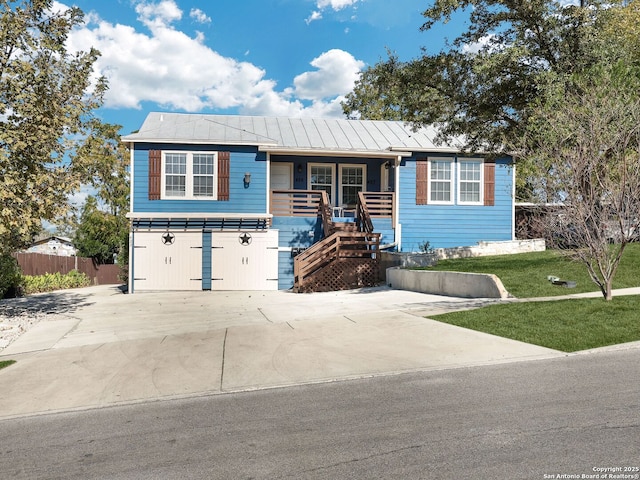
[(167, 260), (244, 260)]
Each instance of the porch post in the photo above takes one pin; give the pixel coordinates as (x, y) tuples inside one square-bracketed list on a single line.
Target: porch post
[(397, 227)]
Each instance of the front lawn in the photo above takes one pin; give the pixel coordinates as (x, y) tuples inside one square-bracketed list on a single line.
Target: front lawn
[(566, 325), (525, 275)]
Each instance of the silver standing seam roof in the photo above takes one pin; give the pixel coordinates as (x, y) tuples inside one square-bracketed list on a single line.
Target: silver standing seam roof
[(282, 134)]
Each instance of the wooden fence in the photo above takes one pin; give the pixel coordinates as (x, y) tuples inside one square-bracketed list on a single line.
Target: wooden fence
[(39, 264)]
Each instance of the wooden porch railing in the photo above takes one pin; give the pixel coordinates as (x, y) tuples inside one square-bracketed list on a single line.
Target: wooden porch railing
[(295, 203), (379, 204), (355, 254), (348, 255), (304, 203), (363, 217), (327, 214)]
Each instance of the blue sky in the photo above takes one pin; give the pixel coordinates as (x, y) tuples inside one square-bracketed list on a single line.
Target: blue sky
[(255, 57)]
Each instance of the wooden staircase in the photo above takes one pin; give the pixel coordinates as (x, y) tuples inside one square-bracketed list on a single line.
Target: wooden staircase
[(347, 257)]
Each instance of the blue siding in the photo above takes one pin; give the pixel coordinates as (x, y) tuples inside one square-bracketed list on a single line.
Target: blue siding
[(298, 231), (285, 271), (294, 232), (384, 227), (454, 225), (241, 200), (206, 260)]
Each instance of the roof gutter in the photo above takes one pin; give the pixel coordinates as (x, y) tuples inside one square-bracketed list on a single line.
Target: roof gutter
[(129, 140), (327, 152), (426, 150)]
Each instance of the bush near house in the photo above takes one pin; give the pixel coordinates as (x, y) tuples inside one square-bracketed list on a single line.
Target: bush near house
[(10, 276), (55, 281)]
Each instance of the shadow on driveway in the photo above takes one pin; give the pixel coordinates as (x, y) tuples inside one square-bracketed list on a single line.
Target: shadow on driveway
[(60, 302)]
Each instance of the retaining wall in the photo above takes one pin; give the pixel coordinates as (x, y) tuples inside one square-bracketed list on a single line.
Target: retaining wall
[(454, 284), (492, 248)]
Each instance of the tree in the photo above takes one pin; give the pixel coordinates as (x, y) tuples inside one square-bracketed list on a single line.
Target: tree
[(46, 106), (106, 161), (107, 170), (623, 26), (99, 234), (482, 87), (588, 140)]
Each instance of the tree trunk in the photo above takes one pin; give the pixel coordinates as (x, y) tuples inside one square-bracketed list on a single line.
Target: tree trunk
[(609, 290)]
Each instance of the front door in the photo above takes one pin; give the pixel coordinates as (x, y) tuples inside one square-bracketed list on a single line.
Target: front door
[(281, 176)]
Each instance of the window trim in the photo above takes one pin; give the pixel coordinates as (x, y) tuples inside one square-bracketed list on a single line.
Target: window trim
[(452, 183), (332, 166), (189, 180), (339, 179), (460, 161)]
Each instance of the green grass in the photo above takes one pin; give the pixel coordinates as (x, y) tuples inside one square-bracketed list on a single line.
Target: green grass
[(6, 363), (525, 275), (565, 325)]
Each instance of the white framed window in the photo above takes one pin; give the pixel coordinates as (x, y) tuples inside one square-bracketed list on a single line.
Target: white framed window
[(470, 181), (440, 181), (353, 179), (321, 178), (189, 175)]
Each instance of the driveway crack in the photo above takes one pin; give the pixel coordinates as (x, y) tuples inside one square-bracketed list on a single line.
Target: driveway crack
[(224, 347)]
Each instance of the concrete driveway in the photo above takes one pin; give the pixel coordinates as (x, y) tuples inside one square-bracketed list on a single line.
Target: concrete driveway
[(104, 347)]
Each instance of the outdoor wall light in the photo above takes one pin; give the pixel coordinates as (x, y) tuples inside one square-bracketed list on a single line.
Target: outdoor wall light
[(299, 168), (247, 179)]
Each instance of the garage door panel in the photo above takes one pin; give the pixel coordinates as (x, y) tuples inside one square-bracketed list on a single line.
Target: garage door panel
[(244, 260), (168, 260)]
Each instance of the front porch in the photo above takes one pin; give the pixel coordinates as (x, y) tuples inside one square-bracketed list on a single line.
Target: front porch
[(344, 254), (306, 203)]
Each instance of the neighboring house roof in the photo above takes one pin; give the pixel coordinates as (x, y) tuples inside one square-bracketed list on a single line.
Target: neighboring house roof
[(42, 240), (53, 245), (281, 134)]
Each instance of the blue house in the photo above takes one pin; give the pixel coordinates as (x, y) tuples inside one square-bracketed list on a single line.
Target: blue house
[(256, 203)]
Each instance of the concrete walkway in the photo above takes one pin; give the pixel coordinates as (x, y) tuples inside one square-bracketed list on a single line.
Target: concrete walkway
[(105, 347)]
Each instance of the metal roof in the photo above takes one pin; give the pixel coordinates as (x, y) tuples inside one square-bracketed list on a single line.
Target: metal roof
[(282, 134)]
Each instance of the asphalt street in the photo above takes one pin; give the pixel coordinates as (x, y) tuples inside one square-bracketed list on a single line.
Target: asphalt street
[(562, 417)]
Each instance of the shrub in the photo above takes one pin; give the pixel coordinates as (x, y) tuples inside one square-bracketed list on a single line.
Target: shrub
[(425, 247), (55, 281), (10, 276)]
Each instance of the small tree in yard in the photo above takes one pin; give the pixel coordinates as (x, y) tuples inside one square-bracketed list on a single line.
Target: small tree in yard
[(587, 137), (99, 234)]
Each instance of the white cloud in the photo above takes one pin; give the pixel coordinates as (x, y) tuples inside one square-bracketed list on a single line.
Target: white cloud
[(336, 4), (158, 15), (480, 45), (314, 16), (199, 16), (168, 67), (336, 73)]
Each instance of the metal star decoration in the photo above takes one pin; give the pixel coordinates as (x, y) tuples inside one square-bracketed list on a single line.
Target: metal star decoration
[(245, 239), (168, 238)]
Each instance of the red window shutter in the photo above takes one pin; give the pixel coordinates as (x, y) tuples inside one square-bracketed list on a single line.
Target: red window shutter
[(489, 183), (223, 175), (155, 174), (422, 182)]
